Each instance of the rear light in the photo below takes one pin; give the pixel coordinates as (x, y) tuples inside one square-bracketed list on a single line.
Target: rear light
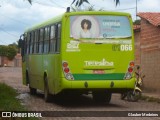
[(65, 64), (128, 74), (130, 69), (67, 71), (131, 64)]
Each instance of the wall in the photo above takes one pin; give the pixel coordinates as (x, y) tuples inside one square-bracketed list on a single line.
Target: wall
[(150, 55), (137, 46), (16, 62)]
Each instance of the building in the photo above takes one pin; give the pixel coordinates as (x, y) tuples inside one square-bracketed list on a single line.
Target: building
[(147, 44), (16, 62)]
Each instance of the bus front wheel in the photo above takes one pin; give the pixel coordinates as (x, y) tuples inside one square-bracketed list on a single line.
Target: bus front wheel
[(101, 96), (47, 96)]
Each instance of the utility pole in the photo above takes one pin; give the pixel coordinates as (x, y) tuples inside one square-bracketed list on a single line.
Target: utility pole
[(136, 9)]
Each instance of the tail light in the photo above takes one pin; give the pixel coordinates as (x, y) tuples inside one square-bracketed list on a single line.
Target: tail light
[(67, 71), (130, 69), (65, 64), (131, 64), (128, 75)]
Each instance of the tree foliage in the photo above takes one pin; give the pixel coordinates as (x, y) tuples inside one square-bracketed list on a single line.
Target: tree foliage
[(8, 51), (137, 22), (78, 3)]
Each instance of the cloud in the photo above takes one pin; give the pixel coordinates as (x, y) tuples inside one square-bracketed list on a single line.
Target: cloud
[(17, 15)]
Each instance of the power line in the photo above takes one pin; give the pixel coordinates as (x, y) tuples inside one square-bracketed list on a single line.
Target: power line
[(44, 4), (14, 20), (3, 42), (8, 33), (57, 4)]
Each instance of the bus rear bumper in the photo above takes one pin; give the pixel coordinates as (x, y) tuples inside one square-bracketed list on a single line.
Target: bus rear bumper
[(111, 85)]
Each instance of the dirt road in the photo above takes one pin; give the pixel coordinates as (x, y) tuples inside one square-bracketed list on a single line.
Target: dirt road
[(13, 77)]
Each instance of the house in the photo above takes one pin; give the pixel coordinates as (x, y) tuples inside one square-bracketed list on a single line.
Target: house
[(147, 44), (16, 62)]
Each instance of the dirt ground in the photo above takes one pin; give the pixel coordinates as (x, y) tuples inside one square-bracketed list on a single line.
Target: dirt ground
[(13, 77)]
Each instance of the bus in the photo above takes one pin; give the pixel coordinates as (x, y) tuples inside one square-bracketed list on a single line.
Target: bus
[(89, 52)]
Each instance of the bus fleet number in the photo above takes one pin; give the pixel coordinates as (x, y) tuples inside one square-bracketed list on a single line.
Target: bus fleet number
[(122, 47), (126, 47)]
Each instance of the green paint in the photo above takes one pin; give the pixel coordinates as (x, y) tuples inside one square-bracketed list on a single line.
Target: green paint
[(115, 76)]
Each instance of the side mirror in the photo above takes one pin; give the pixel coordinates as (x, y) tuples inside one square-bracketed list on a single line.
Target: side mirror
[(20, 43)]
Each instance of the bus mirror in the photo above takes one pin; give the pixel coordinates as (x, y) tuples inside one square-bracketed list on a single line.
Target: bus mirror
[(20, 43)]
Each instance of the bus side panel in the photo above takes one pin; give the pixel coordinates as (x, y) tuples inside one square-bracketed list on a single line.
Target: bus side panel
[(35, 69), (52, 68), (24, 72)]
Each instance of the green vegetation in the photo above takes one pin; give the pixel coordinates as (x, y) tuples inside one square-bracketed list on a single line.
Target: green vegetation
[(9, 51), (78, 3), (8, 101)]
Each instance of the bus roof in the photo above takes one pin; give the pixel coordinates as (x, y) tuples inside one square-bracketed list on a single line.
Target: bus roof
[(59, 18)]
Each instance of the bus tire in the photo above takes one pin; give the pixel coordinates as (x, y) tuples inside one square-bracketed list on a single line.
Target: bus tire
[(47, 96), (101, 96), (33, 91)]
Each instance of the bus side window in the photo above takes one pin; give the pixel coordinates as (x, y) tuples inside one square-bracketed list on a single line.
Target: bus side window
[(52, 39), (28, 42), (41, 36), (46, 39), (58, 37), (35, 41), (32, 41)]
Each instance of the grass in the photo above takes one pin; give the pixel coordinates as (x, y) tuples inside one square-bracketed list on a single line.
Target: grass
[(8, 101)]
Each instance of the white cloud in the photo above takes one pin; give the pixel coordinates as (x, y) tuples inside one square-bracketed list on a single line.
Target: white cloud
[(17, 15)]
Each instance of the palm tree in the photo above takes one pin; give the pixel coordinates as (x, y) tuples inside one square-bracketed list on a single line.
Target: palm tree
[(80, 2), (90, 8)]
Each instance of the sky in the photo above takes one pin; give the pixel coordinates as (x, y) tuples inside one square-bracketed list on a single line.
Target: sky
[(18, 15)]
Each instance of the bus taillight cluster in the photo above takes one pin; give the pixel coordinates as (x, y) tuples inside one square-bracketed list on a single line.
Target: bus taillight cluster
[(67, 71), (128, 75)]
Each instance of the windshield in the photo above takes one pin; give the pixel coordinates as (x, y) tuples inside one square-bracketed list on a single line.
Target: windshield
[(99, 27)]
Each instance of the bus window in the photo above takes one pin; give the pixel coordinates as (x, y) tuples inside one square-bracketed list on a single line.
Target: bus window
[(28, 42), (52, 39), (32, 41), (58, 37), (41, 36), (46, 39), (35, 42), (100, 27)]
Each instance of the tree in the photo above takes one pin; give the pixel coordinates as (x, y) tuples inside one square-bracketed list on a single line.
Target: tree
[(8, 51), (80, 2), (90, 8), (137, 22)]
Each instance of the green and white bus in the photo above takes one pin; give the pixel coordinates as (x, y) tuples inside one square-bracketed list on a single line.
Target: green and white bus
[(80, 53)]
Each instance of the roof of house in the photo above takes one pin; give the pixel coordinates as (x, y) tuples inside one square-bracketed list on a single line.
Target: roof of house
[(152, 17)]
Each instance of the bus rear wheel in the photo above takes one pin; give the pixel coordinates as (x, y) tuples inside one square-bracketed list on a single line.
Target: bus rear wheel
[(47, 95), (33, 91), (101, 96)]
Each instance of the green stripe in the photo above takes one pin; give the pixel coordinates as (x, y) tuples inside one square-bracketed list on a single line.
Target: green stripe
[(115, 76)]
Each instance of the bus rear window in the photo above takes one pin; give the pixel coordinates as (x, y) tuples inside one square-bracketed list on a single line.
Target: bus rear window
[(99, 27)]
